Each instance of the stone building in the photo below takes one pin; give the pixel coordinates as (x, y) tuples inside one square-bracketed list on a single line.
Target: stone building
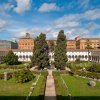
[(26, 43), (71, 44), (4, 44), (81, 43), (3, 52)]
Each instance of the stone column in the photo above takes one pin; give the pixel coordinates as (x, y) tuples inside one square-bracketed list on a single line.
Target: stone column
[(5, 76)]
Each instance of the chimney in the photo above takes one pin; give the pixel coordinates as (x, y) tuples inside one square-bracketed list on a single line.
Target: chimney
[(27, 35), (77, 38)]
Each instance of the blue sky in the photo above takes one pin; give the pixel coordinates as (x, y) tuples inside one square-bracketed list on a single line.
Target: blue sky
[(75, 17)]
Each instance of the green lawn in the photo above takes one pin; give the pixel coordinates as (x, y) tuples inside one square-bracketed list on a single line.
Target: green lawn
[(10, 90), (79, 87), (61, 92)]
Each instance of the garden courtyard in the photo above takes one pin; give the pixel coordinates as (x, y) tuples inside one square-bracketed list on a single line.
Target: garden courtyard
[(51, 84)]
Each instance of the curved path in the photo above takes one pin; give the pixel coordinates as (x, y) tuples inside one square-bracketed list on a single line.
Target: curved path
[(50, 93)]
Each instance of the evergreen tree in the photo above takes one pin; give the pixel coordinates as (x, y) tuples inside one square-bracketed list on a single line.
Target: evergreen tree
[(60, 56), (10, 58), (40, 53)]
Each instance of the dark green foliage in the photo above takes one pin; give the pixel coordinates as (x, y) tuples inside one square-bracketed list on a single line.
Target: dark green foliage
[(88, 74), (23, 76), (10, 58), (40, 53), (94, 68), (60, 50)]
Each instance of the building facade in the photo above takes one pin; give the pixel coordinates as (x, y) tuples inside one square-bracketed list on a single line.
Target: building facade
[(3, 53), (71, 44), (4, 44), (81, 43), (26, 43)]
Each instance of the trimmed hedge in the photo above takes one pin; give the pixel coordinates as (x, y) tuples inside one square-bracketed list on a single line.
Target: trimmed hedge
[(11, 67), (9, 76), (88, 74), (94, 68)]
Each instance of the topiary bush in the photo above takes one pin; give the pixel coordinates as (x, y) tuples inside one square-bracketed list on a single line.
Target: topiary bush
[(23, 76)]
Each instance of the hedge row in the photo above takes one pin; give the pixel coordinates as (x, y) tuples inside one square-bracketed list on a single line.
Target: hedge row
[(80, 73), (9, 76), (88, 74), (11, 67)]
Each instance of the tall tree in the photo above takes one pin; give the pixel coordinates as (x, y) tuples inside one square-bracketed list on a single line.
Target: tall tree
[(88, 47), (60, 56), (40, 53), (10, 58)]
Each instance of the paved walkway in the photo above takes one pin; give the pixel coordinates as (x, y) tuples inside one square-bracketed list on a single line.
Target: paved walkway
[(50, 93)]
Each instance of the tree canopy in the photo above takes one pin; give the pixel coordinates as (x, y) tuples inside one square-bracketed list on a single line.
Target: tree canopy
[(40, 53), (10, 58), (60, 56)]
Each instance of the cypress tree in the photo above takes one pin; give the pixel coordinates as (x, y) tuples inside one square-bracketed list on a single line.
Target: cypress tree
[(40, 53), (60, 56)]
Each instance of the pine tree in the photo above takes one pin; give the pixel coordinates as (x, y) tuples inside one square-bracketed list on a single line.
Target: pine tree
[(60, 56), (40, 53)]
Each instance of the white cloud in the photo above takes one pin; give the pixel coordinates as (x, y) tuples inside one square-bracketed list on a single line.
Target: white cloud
[(47, 7), (3, 24), (4, 8), (92, 14), (67, 24), (22, 6), (89, 14)]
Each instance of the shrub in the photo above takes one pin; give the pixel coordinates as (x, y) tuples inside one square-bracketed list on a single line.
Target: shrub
[(94, 68), (9, 76), (88, 74), (10, 58), (23, 76)]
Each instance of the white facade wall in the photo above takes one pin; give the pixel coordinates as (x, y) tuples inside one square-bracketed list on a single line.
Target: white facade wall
[(73, 55), (24, 56)]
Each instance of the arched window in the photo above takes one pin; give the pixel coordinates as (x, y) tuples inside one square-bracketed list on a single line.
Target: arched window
[(82, 56), (26, 56), (75, 56), (85, 56), (79, 56), (20, 56)]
